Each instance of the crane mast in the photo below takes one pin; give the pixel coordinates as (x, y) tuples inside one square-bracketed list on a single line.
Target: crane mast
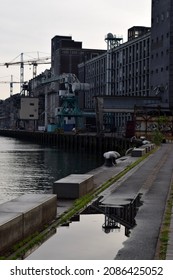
[(21, 72), (11, 82), (34, 62)]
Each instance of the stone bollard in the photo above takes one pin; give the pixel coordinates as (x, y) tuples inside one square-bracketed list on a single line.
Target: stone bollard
[(110, 158)]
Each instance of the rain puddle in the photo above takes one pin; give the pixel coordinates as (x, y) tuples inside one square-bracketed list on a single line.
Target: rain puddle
[(97, 233)]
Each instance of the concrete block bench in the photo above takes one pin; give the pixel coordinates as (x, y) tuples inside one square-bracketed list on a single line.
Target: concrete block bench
[(73, 186), (25, 215), (138, 152)]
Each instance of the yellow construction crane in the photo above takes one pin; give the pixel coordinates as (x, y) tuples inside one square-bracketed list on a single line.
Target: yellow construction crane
[(34, 62)]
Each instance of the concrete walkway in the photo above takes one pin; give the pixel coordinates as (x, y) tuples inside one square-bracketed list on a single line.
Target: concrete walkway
[(152, 178)]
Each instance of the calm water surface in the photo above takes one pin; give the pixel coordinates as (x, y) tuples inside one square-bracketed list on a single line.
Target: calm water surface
[(82, 240), (32, 168)]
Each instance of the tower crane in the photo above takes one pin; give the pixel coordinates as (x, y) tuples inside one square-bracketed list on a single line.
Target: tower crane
[(11, 82), (34, 62)]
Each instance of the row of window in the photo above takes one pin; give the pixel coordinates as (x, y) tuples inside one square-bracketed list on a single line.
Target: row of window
[(161, 39), (136, 52), (157, 70), (161, 54), (160, 18)]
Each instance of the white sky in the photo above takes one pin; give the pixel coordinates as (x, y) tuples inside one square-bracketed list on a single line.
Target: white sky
[(28, 27)]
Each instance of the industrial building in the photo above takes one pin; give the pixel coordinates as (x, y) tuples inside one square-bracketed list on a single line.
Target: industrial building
[(137, 73), (123, 71), (126, 79), (66, 54), (161, 56)]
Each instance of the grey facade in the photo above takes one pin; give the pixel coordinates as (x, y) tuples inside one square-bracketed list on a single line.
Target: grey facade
[(66, 54), (130, 71), (130, 77), (161, 68), (141, 67)]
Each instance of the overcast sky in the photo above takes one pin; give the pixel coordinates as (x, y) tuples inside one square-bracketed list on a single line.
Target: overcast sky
[(28, 27)]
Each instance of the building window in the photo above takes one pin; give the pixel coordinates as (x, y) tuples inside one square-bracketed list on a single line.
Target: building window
[(162, 17)]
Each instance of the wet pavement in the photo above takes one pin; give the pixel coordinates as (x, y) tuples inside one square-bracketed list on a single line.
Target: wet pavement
[(151, 179), (101, 175)]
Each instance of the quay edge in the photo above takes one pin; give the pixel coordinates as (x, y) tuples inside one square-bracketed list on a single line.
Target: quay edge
[(70, 141)]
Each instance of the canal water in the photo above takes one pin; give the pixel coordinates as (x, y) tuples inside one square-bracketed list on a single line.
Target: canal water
[(97, 233), (32, 168)]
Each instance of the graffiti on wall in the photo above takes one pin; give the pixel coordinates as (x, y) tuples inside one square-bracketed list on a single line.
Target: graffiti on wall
[(149, 125)]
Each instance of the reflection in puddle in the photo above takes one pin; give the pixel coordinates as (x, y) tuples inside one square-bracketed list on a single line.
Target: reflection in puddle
[(115, 216), (97, 233)]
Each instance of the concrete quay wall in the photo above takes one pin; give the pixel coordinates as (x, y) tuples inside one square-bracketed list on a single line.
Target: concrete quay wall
[(86, 142), (11, 229), (25, 215)]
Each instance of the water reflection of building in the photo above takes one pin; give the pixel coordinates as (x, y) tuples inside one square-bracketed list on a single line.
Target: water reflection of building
[(110, 224), (116, 215)]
